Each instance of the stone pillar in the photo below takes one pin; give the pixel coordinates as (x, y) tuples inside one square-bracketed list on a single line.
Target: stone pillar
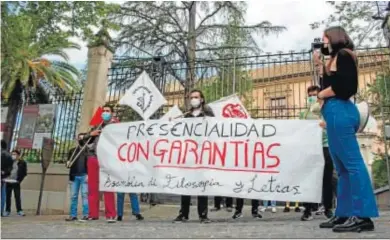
[(365, 143), (95, 88)]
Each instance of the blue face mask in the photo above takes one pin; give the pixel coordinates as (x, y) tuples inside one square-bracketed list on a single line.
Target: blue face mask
[(106, 116)]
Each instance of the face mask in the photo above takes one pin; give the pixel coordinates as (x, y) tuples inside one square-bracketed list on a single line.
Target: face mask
[(106, 116), (195, 102), (13, 157), (311, 100), (326, 49)]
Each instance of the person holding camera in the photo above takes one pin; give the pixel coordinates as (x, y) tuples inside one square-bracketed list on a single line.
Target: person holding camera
[(356, 203)]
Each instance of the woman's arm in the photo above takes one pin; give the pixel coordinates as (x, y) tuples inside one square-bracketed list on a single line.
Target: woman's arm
[(326, 93)]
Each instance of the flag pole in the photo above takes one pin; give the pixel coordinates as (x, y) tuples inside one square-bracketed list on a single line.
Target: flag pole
[(70, 163)]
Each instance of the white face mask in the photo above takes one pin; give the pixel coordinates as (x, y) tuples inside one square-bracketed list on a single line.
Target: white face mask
[(195, 102), (13, 157)]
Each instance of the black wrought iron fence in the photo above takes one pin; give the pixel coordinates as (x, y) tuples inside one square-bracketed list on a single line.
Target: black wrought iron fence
[(68, 107)]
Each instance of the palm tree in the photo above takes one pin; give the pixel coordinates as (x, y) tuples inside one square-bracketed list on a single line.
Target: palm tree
[(26, 72)]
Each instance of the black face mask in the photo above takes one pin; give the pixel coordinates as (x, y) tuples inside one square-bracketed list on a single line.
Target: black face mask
[(325, 50)]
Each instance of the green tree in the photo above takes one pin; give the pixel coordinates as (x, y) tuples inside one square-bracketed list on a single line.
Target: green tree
[(379, 173), (30, 32), (231, 77), (379, 95), (357, 19)]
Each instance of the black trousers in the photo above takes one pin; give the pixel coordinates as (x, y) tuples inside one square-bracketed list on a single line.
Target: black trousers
[(218, 201), (328, 184), (202, 206), (15, 187), (240, 205)]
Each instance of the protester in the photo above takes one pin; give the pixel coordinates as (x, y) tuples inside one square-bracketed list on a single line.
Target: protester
[(93, 171), (287, 207), (355, 197), (120, 199), (79, 178), (198, 109), (240, 206), (218, 203), (313, 113), (13, 181), (265, 206), (6, 167)]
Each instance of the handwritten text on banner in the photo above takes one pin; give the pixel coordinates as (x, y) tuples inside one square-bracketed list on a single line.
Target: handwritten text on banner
[(258, 159)]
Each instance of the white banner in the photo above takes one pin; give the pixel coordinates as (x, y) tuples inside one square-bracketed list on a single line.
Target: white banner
[(229, 107), (257, 159), (173, 113), (143, 96)]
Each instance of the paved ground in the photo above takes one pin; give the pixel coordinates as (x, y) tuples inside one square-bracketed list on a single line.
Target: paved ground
[(157, 224)]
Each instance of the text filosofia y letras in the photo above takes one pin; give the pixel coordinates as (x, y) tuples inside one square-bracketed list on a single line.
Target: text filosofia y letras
[(171, 182)]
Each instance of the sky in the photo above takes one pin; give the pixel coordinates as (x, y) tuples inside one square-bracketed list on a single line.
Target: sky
[(294, 15)]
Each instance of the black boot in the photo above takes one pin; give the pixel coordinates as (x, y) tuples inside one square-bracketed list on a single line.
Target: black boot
[(333, 222), (355, 224)]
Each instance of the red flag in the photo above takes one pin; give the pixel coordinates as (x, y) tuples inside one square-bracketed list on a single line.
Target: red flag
[(97, 117)]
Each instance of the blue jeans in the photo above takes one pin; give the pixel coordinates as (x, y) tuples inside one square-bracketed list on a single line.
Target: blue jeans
[(3, 192), (120, 199), (355, 195), (265, 203), (79, 182)]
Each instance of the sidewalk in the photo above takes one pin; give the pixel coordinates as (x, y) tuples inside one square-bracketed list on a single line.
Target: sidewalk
[(158, 224)]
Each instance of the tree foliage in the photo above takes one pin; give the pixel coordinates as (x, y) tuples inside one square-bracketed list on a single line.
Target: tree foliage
[(184, 31), (232, 78), (31, 31), (357, 19), (379, 171)]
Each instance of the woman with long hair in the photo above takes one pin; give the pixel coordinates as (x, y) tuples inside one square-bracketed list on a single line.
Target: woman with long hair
[(198, 108), (356, 203)]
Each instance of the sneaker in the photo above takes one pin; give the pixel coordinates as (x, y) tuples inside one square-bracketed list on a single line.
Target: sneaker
[(328, 214), (333, 222), (263, 209), (120, 218), (297, 209), (286, 209), (256, 216), (71, 219), (92, 219), (6, 214), (205, 220), (320, 210), (215, 209), (83, 219), (237, 215), (306, 217), (21, 213), (139, 217), (273, 210), (229, 209), (180, 219), (110, 220)]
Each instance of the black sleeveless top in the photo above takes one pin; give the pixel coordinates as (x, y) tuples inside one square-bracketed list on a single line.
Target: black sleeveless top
[(344, 82)]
